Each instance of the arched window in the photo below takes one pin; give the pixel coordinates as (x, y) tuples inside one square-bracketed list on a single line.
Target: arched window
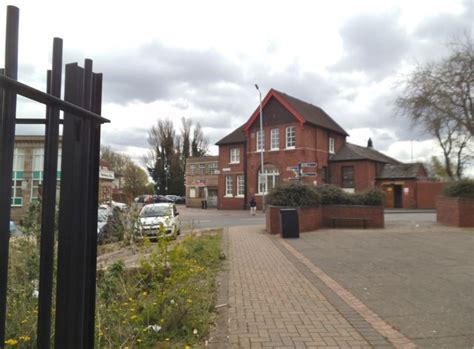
[(269, 179)]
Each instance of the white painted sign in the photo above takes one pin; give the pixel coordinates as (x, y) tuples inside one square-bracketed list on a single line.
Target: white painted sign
[(106, 174), (227, 169)]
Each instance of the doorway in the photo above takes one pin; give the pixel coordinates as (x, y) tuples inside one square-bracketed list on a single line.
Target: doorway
[(398, 196)]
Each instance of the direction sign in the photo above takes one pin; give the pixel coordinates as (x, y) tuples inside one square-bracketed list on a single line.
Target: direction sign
[(309, 164), (309, 174), (292, 168)]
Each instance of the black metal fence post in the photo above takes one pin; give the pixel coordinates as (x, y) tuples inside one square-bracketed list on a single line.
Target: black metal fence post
[(77, 249), (7, 143), (48, 209)]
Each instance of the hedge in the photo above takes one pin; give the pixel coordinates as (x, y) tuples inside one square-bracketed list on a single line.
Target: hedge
[(462, 189), (293, 195), (298, 194), (332, 195)]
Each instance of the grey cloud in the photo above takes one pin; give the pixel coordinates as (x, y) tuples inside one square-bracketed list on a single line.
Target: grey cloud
[(157, 72), (136, 137), (374, 44)]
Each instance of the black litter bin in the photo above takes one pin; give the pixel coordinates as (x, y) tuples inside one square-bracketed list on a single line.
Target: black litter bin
[(289, 223)]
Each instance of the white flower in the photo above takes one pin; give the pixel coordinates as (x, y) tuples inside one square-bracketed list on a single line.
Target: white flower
[(195, 331), (35, 294), (172, 302), (155, 328)]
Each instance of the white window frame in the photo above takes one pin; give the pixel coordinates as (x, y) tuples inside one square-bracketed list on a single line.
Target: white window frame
[(192, 169), (290, 139), (228, 186), (234, 155), (260, 141), (212, 168), (202, 169), (240, 186), (275, 139), (272, 178), (331, 145)]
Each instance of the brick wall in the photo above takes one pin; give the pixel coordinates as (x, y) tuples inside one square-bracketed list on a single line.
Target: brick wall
[(427, 192), (375, 214), (364, 173), (226, 168), (310, 219), (456, 212)]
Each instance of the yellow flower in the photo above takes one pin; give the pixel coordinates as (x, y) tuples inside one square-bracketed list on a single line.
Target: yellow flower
[(100, 334), (187, 347), (139, 340), (133, 317), (25, 338), (167, 339), (11, 342), (145, 293), (189, 300), (23, 322)]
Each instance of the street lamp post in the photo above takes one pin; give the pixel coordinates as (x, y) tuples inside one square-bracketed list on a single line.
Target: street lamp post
[(263, 178)]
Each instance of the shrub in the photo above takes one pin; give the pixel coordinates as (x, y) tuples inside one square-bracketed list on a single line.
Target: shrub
[(332, 195), (372, 197), (462, 189), (294, 195)]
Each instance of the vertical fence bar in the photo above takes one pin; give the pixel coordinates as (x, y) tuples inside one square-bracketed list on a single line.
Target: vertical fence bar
[(96, 102), (7, 144), (48, 208), (69, 297)]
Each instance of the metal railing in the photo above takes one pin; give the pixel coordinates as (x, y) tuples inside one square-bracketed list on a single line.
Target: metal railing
[(77, 249)]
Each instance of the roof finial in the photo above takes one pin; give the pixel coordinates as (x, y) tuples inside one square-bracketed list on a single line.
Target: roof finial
[(370, 144)]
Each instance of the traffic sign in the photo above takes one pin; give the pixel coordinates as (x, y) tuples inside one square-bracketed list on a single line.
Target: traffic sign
[(309, 174), (309, 164)]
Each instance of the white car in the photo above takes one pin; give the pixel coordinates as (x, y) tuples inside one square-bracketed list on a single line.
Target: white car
[(159, 219)]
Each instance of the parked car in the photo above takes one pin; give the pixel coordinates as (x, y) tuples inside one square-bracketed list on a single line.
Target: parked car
[(143, 199), (161, 198), (104, 222), (159, 219), (177, 199)]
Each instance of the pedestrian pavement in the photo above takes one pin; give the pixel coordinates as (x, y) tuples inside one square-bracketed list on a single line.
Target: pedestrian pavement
[(273, 301)]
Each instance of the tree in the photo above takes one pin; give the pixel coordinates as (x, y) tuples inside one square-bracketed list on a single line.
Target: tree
[(118, 162), (166, 161), (134, 179), (439, 96), (199, 144)]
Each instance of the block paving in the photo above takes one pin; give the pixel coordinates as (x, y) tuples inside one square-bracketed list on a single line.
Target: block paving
[(272, 304)]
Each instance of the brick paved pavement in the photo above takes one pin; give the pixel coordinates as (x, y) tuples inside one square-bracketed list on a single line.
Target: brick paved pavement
[(272, 304)]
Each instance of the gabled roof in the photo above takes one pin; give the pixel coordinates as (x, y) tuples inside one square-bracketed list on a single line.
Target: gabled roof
[(237, 136), (391, 171), (304, 112), (351, 151)]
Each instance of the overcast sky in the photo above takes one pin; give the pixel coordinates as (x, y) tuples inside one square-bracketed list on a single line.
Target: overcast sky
[(200, 59)]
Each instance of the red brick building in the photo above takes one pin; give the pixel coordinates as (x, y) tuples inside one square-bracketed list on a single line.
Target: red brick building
[(297, 132)]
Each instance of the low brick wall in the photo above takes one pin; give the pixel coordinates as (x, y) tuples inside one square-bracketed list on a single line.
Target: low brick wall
[(458, 212), (309, 219), (374, 214), (313, 218)]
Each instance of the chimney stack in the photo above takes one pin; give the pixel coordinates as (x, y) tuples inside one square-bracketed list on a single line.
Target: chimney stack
[(370, 144)]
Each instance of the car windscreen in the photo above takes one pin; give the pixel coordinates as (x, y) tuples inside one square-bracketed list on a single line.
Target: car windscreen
[(155, 211)]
